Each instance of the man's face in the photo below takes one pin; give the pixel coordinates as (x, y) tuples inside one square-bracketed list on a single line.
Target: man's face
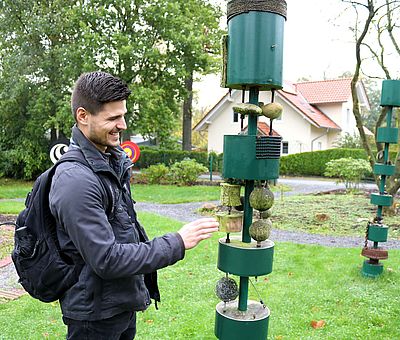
[(103, 129)]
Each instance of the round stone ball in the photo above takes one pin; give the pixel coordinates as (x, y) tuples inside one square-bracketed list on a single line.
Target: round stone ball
[(227, 289), (261, 198), (260, 230), (272, 110)]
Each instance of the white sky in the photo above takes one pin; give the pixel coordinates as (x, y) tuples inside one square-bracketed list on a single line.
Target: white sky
[(317, 43), (315, 46)]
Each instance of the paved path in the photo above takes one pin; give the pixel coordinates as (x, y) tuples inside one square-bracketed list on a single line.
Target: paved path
[(312, 185), (306, 185)]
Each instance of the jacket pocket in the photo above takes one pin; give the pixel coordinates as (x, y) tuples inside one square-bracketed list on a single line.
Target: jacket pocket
[(124, 230), (129, 292)]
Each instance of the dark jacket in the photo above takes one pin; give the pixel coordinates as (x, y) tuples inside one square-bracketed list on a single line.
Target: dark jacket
[(115, 249)]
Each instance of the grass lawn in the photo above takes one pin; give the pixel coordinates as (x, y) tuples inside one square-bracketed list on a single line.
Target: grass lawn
[(308, 283), (169, 194), (329, 214), (6, 242), (10, 188)]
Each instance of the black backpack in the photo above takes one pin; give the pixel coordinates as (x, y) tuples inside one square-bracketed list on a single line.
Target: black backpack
[(44, 272)]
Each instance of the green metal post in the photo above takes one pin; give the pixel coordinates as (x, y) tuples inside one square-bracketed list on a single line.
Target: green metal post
[(253, 99), (243, 292), (248, 215), (248, 211), (211, 169)]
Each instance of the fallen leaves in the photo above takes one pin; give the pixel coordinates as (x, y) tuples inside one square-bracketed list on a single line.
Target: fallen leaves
[(318, 324)]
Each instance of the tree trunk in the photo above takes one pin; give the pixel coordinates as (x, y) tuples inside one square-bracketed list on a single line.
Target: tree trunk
[(187, 114), (356, 106)]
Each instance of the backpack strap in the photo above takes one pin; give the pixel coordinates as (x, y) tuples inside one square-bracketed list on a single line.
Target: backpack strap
[(77, 156)]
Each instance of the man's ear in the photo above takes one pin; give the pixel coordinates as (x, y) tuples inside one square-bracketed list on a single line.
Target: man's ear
[(81, 116)]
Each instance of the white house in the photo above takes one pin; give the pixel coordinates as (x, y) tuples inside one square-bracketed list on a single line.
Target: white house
[(315, 115)]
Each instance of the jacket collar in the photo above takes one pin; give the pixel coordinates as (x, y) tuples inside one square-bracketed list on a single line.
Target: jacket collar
[(98, 160)]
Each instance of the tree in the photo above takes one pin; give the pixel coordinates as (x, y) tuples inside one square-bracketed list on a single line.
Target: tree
[(375, 22), (154, 45), (157, 46), (40, 57)]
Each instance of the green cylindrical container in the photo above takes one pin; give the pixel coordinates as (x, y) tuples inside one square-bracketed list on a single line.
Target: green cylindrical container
[(384, 169), (252, 324), (378, 233), (382, 200), (245, 259), (255, 44), (387, 135), (390, 95)]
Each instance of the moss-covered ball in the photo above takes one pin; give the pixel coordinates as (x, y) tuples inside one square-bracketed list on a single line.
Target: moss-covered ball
[(265, 214), (227, 289), (261, 198), (247, 109), (272, 110), (260, 230)]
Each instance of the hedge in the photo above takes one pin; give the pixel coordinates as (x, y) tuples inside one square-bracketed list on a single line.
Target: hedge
[(314, 163)]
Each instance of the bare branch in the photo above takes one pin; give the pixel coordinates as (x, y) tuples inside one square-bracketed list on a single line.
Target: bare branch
[(390, 26), (355, 3)]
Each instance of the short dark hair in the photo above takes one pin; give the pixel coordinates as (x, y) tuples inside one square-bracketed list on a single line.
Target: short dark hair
[(94, 89)]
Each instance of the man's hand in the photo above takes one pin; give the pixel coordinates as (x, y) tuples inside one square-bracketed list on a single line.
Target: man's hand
[(198, 230)]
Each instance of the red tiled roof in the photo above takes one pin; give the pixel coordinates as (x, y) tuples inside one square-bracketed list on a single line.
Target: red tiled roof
[(264, 128), (319, 118), (325, 91)]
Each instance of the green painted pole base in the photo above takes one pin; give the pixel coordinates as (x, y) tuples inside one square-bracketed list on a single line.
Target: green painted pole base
[(371, 269), (232, 324)]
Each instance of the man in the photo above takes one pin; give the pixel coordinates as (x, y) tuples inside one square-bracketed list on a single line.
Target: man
[(100, 231)]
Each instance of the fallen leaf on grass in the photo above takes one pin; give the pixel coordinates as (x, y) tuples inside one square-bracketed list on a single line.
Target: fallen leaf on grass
[(279, 337), (149, 321), (318, 324)]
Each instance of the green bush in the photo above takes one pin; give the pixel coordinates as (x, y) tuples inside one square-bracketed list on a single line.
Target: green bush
[(152, 156), (314, 163), (155, 174), (348, 170), (185, 172)]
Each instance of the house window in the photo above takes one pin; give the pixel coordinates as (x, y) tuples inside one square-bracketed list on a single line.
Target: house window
[(235, 117), (285, 147), (319, 145)]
